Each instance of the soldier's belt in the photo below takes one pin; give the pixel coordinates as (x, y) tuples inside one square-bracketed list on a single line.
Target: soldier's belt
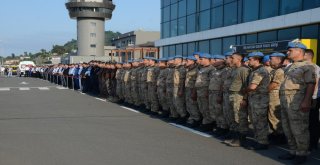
[(235, 92), (291, 92), (274, 91), (215, 92)]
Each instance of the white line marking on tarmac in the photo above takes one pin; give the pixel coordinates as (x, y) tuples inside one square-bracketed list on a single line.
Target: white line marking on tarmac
[(43, 88), (4, 89), (61, 88), (24, 89), (101, 99), (130, 109), (192, 130)]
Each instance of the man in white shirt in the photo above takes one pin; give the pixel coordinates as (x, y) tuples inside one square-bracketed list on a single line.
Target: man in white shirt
[(314, 124)]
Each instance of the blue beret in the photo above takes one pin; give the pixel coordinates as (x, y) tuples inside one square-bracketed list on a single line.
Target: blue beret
[(205, 55), (129, 61), (178, 56), (152, 58), (196, 53), (191, 58), (219, 57), (228, 53), (266, 59), (296, 45), (255, 54), (277, 54), (170, 58), (162, 59), (245, 59)]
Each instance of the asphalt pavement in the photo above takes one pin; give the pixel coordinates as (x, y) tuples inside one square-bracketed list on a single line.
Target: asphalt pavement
[(45, 124)]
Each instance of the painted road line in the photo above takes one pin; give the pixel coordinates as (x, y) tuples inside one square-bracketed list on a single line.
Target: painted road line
[(191, 130), (4, 89), (100, 99), (43, 88), (130, 109), (62, 88), (24, 89)]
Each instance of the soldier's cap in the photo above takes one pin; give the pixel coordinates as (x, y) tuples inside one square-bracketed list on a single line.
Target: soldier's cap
[(136, 60), (256, 54), (191, 58), (146, 58), (266, 58), (205, 55), (277, 54), (217, 56), (196, 53), (129, 61), (153, 59), (245, 59), (212, 56), (170, 58), (296, 45), (230, 53), (178, 56), (163, 59)]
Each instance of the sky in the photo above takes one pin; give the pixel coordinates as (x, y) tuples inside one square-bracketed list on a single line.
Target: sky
[(32, 25)]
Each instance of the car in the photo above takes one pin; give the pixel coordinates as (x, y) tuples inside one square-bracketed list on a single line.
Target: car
[(23, 65)]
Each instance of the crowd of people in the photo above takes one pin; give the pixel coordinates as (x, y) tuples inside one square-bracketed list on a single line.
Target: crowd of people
[(274, 96)]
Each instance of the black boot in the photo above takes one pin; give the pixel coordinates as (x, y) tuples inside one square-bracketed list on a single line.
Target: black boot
[(299, 160), (258, 146), (235, 142), (181, 120), (287, 156), (193, 123), (206, 127)]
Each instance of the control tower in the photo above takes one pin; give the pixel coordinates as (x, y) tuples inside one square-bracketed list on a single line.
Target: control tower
[(91, 16)]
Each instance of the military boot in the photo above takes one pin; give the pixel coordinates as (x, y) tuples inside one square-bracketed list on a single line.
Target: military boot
[(299, 160)]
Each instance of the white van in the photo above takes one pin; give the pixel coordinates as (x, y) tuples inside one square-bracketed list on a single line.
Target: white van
[(23, 65)]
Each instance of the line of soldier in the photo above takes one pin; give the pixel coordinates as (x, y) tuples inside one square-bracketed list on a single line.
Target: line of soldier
[(223, 94)]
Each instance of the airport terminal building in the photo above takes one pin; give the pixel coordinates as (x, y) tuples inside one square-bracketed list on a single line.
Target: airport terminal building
[(212, 26)]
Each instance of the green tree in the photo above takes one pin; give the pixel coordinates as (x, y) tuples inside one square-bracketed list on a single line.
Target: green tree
[(109, 35)]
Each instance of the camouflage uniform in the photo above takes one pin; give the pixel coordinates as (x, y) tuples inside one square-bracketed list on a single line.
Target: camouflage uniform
[(215, 92), (274, 114), (258, 102), (191, 103), (107, 81), (152, 76), (169, 93), (227, 111), (239, 81), (144, 87), (127, 86), (112, 85), (295, 123), (178, 87), (135, 86), (119, 83), (202, 84), (161, 89)]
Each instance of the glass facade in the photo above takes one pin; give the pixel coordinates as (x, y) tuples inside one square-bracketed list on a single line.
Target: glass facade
[(221, 45), (189, 16)]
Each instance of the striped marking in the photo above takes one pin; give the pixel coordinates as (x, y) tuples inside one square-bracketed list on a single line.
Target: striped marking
[(130, 109), (191, 130), (24, 89), (61, 88), (4, 89), (101, 99), (43, 88)]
